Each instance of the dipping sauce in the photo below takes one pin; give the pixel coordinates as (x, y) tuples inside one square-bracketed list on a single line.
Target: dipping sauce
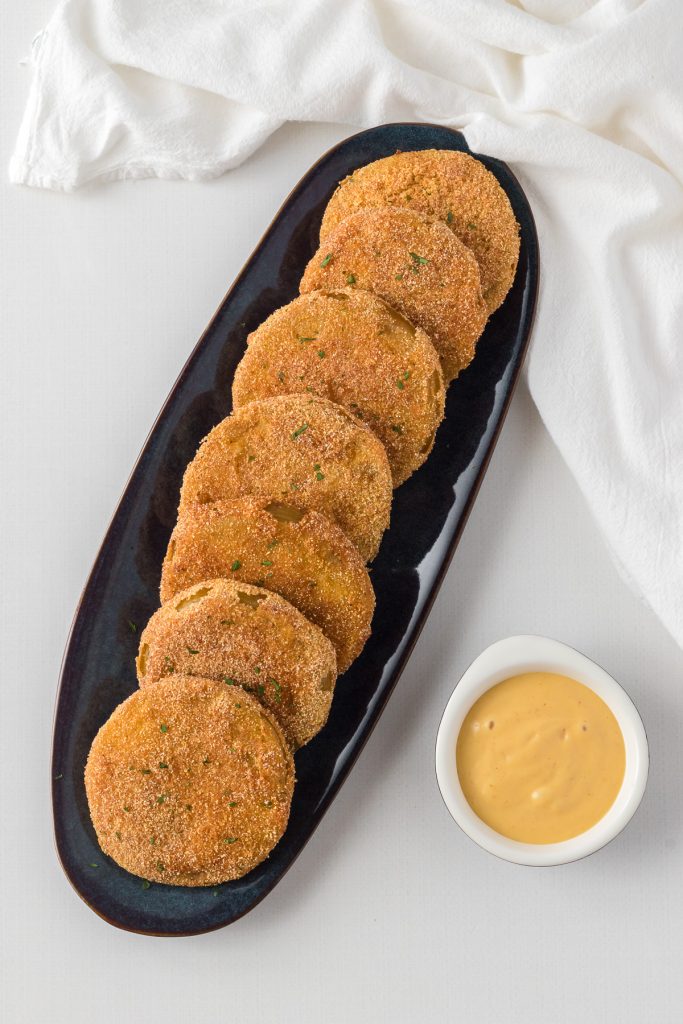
[(540, 758)]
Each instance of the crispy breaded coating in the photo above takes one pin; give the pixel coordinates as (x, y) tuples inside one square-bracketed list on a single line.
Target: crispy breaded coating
[(306, 450), (300, 555), (417, 266), (443, 185), (246, 637), (352, 348), (189, 783)]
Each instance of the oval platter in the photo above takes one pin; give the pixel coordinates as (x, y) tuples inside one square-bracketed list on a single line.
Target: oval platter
[(427, 519)]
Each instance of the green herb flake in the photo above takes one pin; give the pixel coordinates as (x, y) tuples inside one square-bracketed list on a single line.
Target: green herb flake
[(160, 866), (146, 771), (323, 263), (163, 727), (251, 458), (190, 650), (168, 665), (132, 626), (273, 544), (321, 353), (230, 840), (398, 277), (228, 681), (281, 376), (396, 428), (260, 689), (472, 227), (161, 799), (93, 864), (399, 384), (145, 884), (319, 476), (418, 260), (152, 841), (238, 705), (58, 777), (304, 340), (118, 835), (266, 561), (127, 810), (215, 892), (449, 217), (233, 803), (227, 622), (350, 278), (236, 565), (162, 764), (300, 430)]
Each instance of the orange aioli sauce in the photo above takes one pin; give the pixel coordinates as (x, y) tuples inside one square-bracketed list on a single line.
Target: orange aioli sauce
[(540, 758)]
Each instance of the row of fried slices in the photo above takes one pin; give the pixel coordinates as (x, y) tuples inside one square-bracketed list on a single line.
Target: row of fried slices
[(265, 593)]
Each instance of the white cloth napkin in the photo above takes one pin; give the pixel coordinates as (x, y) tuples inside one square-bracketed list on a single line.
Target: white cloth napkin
[(582, 98)]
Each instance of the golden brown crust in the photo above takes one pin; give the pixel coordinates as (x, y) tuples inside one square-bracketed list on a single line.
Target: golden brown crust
[(189, 782), (300, 555), (244, 636), (352, 348), (306, 450), (417, 266), (447, 186)]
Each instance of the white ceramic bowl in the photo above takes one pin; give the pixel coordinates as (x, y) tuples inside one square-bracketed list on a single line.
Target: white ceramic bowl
[(511, 657)]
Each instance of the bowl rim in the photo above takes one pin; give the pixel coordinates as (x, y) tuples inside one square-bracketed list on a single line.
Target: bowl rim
[(530, 653)]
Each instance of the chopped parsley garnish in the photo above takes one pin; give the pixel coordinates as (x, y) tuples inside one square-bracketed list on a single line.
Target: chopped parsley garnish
[(233, 803), (93, 865), (145, 884), (127, 809), (323, 263), (230, 840), (321, 353), (228, 681), (266, 561), (398, 277), (273, 543), (227, 622), (168, 665), (300, 430), (190, 650), (238, 705), (418, 260), (396, 428), (472, 227), (236, 565), (117, 834), (146, 771), (257, 669), (161, 799), (160, 866), (449, 217), (319, 475), (350, 278), (278, 690), (132, 626), (303, 340), (163, 727), (162, 764), (251, 458)]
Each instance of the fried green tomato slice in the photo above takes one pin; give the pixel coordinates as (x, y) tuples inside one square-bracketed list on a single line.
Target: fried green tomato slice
[(352, 348), (245, 637), (447, 186), (300, 555), (306, 450), (189, 783), (418, 266)]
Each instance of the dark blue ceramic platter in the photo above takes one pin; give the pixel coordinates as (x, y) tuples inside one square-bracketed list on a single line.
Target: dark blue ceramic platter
[(427, 519)]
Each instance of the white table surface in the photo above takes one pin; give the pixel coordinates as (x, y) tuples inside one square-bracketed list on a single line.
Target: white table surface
[(390, 913)]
